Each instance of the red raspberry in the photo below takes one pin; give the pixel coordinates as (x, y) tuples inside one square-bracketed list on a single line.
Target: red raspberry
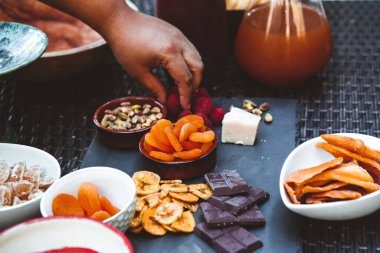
[(200, 92), (184, 113), (217, 116), (173, 104), (203, 105)]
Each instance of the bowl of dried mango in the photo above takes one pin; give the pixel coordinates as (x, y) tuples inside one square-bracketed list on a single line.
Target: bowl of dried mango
[(101, 193), (179, 150)]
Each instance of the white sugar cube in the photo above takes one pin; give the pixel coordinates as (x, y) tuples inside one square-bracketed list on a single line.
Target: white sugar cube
[(240, 127)]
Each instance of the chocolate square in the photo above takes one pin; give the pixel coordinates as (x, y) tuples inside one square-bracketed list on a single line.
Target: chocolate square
[(228, 182)]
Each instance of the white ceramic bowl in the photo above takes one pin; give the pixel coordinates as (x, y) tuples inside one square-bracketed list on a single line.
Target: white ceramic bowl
[(44, 234), (308, 155), (13, 153), (116, 185)]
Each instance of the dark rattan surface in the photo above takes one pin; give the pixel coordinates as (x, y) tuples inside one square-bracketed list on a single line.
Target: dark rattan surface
[(57, 117)]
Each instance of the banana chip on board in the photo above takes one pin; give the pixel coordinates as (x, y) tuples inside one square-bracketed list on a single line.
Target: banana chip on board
[(186, 196), (150, 225), (167, 213), (136, 230), (201, 190), (192, 207), (175, 181), (146, 182), (162, 194), (174, 187), (185, 223), (152, 199), (140, 203)]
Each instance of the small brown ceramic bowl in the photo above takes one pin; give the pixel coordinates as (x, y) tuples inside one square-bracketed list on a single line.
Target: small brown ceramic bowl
[(125, 139), (180, 169)]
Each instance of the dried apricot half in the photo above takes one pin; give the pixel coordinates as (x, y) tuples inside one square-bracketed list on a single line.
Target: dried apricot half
[(195, 120), (173, 139), (158, 131), (204, 137), (149, 138), (67, 205), (88, 198), (162, 156), (189, 145), (186, 130), (188, 155)]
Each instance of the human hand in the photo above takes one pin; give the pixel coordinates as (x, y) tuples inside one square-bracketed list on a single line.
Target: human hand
[(141, 43)]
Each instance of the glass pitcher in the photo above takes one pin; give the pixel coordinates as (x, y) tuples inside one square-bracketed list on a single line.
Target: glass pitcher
[(283, 42)]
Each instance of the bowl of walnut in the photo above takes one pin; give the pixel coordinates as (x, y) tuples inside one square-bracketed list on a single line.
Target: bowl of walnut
[(25, 174)]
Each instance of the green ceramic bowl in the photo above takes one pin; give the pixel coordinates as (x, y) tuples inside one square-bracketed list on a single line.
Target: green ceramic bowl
[(20, 45)]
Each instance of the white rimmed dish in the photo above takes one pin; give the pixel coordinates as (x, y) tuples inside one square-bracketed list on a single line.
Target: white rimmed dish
[(116, 185), (308, 155), (53, 233), (13, 153)]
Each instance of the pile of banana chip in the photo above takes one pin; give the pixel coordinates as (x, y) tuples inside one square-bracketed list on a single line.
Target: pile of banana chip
[(165, 205)]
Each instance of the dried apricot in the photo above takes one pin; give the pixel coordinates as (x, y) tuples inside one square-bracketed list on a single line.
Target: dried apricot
[(206, 147), (162, 156), (107, 206), (186, 130), (149, 138), (158, 131), (148, 147), (100, 215), (207, 136), (173, 139), (195, 120), (88, 198), (189, 145), (67, 205), (188, 155)]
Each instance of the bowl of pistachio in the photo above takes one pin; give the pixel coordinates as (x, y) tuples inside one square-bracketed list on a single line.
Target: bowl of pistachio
[(123, 121)]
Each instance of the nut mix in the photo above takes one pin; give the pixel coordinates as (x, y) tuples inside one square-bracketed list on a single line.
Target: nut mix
[(19, 184), (131, 117), (165, 205), (251, 107)]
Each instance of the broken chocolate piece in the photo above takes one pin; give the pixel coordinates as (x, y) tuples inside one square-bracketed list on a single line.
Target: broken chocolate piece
[(232, 239), (240, 203), (228, 182)]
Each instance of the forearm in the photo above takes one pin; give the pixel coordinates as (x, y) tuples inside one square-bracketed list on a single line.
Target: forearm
[(101, 15)]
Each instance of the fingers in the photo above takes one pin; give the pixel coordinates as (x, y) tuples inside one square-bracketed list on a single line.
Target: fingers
[(183, 77), (150, 81), (194, 62)]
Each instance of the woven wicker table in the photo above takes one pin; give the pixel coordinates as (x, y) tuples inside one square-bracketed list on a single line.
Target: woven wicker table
[(345, 97)]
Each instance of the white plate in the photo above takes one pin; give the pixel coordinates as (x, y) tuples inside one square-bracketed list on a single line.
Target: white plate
[(308, 155)]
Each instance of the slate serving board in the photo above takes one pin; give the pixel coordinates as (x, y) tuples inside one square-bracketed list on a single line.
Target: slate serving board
[(259, 165)]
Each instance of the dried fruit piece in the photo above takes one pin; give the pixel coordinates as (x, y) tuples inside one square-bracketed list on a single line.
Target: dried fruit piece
[(201, 190), (185, 132), (17, 173), (150, 225), (158, 131), (174, 187), (45, 182), (33, 175), (140, 203), (23, 188), (88, 198), (175, 181), (188, 155), (107, 206), (195, 120), (100, 215), (173, 139), (152, 200), (186, 223), (34, 194), (136, 230), (6, 195), (206, 147), (163, 193), (146, 182), (148, 148), (264, 107), (162, 156), (67, 205), (193, 207), (186, 196), (169, 228), (149, 138), (167, 199), (17, 201), (137, 218), (189, 145), (204, 137), (167, 213), (5, 170)]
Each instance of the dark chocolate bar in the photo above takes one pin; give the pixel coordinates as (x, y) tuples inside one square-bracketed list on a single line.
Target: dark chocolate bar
[(228, 240), (228, 182), (240, 203), (216, 217)]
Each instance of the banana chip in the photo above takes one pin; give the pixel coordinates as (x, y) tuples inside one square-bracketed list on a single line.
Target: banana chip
[(146, 182), (137, 219), (162, 194), (186, 196), (140, 203), (152, 199), (167, 199), (167, 213), (136, 230), (186, 223), (150, 225), (192, 207), (175, 181), (169, 228), (174, 187), (201, 190)]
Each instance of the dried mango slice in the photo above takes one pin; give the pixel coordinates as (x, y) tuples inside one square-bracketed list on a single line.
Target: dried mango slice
[(195, 120), (173, 139), (204, 137), (149, 138), (186, 130), (201, 190), (158, 131), (186, 196), (328, 187), (188, 155), (146, 182), (150, 225), (167, 213), (136, 230), (162, 156), (175, 187), (152, 199), (186, 223), (193, 207), (189, 145), (338, 194)]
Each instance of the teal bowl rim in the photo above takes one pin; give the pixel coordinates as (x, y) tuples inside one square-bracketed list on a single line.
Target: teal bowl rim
[(35, 57)]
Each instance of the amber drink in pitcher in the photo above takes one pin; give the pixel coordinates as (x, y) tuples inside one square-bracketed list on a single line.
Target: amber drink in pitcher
[(283, 42)]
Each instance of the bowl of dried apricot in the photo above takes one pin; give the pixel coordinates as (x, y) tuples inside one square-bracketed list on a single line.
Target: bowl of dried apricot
[(100, 193), (179, 150), (123, 121), (25, 174)]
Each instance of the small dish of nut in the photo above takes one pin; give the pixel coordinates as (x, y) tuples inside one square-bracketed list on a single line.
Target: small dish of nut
[(123, 121)]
